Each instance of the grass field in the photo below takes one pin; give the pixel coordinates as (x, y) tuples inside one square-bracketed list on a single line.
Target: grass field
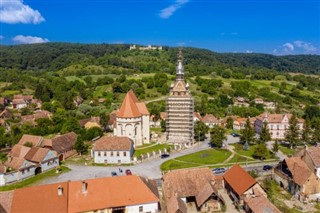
[(155, 148), (205, 157), (285, 150), (34, 179)]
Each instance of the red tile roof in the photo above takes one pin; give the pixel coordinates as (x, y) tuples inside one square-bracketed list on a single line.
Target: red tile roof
[(299, 170), (19, 151), (6, 201), (113, 144), (261, 204), (209, 118), (239, 180), (109, 192), (101, 193), (36, 154), (131, 107), (34, 139), (63, 142), (39, 199)]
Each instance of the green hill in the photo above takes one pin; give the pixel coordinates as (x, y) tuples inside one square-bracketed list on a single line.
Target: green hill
[(57, 56)]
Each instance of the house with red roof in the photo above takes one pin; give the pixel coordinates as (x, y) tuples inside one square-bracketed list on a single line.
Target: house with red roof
[(294, 175), (113, 150), (277, 124), (24, 162), (111, 194), (240, 184), (210, 120), (133, 120)]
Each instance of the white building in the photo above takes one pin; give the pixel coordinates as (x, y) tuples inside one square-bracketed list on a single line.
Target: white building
[(133, 120), (277, 124), (113, 150)]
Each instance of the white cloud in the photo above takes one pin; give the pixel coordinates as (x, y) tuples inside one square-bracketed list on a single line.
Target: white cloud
[(1, 37), (21, 39), (306, 46), (296, 47), (169, 11), (249, 51), (229, 33), (288, 47), (15, 11)]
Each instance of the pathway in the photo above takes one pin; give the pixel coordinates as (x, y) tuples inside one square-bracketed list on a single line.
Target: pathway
[(157, 99), (231, 149), (279, 154), (229, 204)]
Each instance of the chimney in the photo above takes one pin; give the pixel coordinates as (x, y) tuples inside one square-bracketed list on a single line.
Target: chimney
[(84, 186), (60, 190)]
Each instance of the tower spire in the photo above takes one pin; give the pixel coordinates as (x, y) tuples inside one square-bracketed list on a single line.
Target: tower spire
[(180, 68)]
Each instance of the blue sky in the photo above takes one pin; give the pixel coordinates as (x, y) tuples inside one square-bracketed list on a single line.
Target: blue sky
[(276, 26)]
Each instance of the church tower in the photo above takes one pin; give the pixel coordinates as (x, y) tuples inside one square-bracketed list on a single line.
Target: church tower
[(180, 107)]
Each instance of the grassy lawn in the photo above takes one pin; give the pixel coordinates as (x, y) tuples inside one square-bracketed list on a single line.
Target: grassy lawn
[(156, 148), (74, 78), (237, 158), (145, 145), (277, 195), (205, 157), (10, 93), (34, 179), (285, 150), (158, 130)]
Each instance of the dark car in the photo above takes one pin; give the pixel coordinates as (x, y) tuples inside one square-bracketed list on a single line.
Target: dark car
[(114, 174), (218, 171), (128, 172), (165, 155), (235, 134), (267, 167)]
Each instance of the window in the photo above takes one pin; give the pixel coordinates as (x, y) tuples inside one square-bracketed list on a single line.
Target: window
[(111, 154), (102, 211), (271, 127), (118, 154), (278, 127), (124, 154), (140, 208), (99, 154), (22, 171), (105, 153)]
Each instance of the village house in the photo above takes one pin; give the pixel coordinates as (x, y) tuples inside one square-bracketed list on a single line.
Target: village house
[(63, 145), (241, 102), (277, 124), (210, 120), (132, 120), (23, 101), (239, 184), (196, 117), (192, 190), (311, 156), (240, 123), (6, 114), (19, 103), (155, 122), (112, 194), (258, 203), (31, 119), (78, 100), (4, 101), (113, 150), (112, 120), (90, 122), (24, 162), (294, 175)]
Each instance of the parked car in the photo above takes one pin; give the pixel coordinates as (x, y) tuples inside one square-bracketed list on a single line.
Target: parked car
[(235, 134), (218, 171), (114, 174), (164, 155), (128, 172), (267, 167)]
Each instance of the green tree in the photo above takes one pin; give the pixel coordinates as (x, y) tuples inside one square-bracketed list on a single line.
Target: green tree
[(229, 124), (248, 133), (104, 119), (92, 133), (265, 134), (316, 132), (261, 152), (217, 134), (306, 134), (80, 146), (163, 125), (292, 133), (275, 147), (200, 131), (70, 125)]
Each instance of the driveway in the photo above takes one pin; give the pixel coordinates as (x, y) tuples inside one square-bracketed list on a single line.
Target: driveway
[(149, 168)]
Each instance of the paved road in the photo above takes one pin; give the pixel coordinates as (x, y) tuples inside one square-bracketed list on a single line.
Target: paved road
[(149, 169)]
